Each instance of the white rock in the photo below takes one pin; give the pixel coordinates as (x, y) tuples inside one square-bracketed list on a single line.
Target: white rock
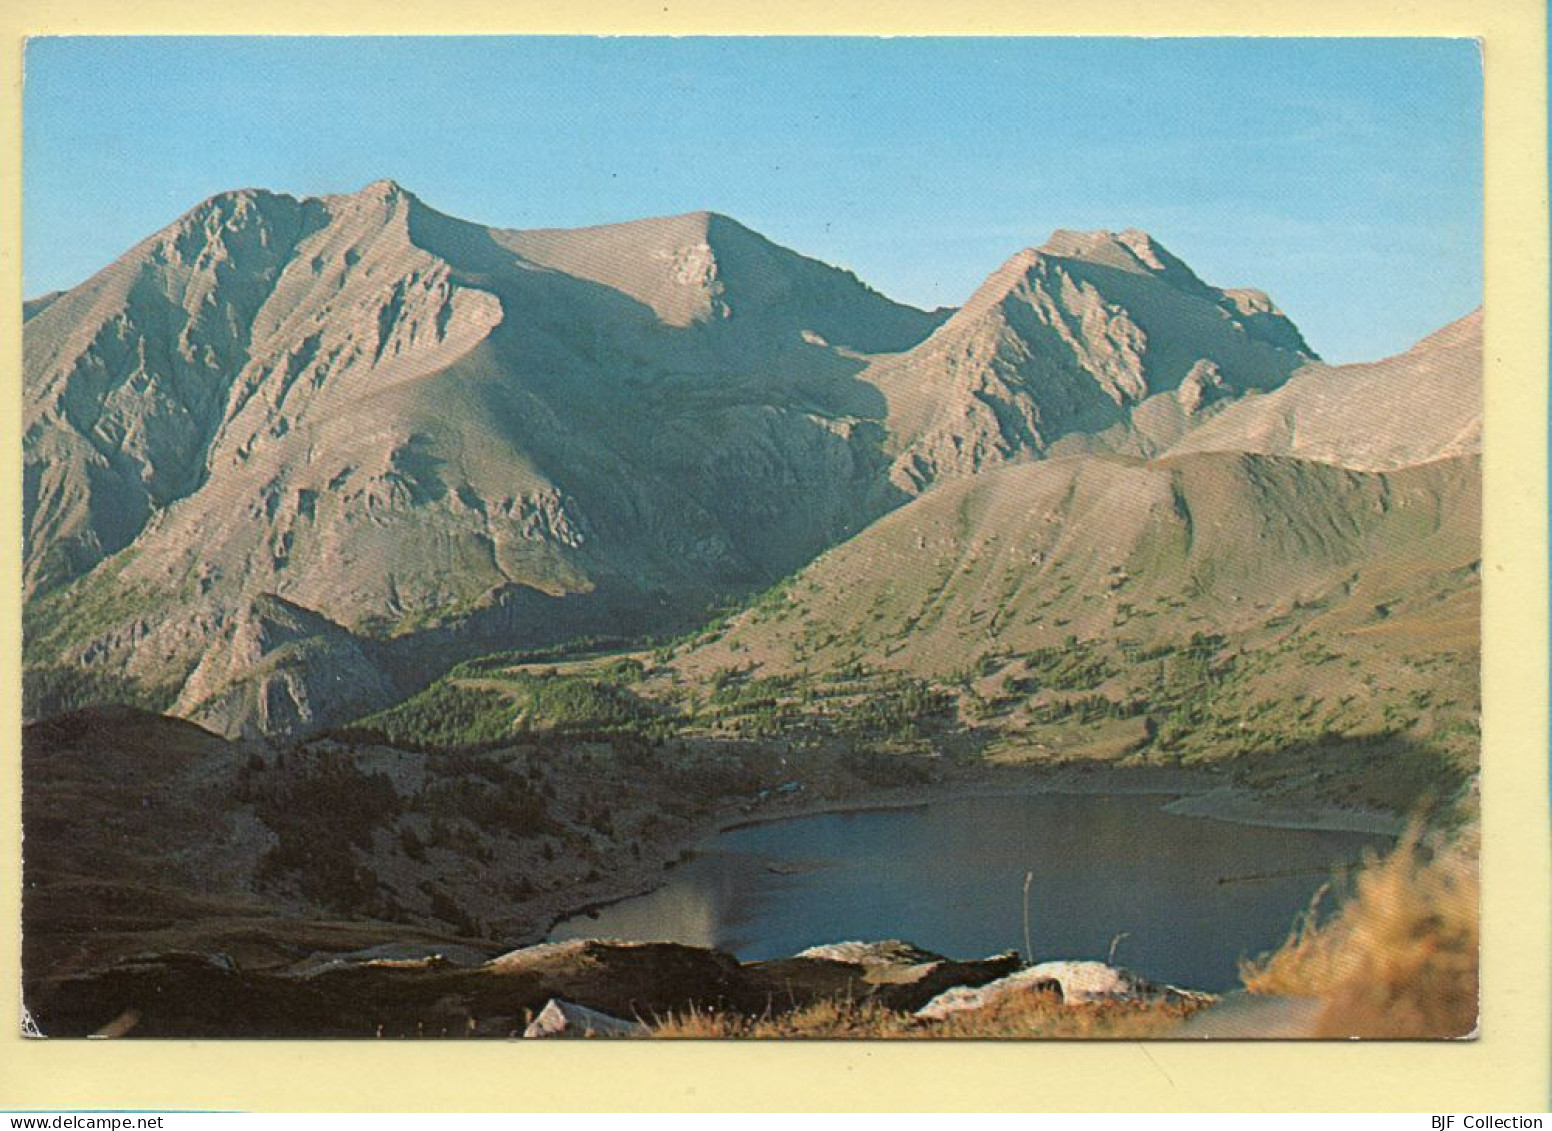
[(1075, 981), (565, 1019), (888, 952)]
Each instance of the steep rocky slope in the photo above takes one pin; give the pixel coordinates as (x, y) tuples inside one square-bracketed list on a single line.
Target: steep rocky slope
[(1068, 339), (394, 421)]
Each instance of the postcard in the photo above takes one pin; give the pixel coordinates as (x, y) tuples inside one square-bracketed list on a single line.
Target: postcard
[(753, 539)]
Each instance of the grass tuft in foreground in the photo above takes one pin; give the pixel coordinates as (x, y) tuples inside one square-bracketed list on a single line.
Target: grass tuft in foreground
[(1033, 1016), (1401, 958)]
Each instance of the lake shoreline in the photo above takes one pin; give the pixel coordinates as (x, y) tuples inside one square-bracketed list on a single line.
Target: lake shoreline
[(1193, 793)]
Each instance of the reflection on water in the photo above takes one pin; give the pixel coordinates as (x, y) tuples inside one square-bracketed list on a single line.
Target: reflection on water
[(949, 876)]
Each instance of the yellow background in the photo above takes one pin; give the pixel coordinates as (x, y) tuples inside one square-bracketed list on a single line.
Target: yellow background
[(1505, 1070)]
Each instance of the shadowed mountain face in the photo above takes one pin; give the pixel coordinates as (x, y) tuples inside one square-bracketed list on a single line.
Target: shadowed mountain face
[(287, 458)]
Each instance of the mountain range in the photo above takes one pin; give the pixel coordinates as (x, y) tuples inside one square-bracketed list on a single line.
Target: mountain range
[(288, 460)]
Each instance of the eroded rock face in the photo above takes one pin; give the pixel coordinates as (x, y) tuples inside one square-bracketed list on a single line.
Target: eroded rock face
[(1202, 386)]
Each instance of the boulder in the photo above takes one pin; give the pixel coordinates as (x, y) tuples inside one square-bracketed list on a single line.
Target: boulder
[(625, 978), (898, 975), (887, 952), (908, 988), (566, 1019), (1075, 982), (392, 955)]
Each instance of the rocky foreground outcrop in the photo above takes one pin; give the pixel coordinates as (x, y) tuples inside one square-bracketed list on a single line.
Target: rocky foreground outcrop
[(1073, 982), (574, 988)]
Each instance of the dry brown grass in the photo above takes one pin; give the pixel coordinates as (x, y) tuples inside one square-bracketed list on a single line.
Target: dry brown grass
[(1047, 1017), (1033, 1016), (825, 1020), (1400, 959)]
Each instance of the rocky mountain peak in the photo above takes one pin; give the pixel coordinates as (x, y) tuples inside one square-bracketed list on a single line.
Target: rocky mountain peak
[(1417, 407), (383, 188), (1069, 338), (382, 192), (382, 203), (224, 225), (1132, 250), (704, 269)]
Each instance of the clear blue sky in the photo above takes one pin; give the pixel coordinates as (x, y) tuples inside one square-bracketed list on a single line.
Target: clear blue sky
[(1344, 177)]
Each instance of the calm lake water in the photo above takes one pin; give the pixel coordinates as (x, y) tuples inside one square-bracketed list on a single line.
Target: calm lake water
[(949, 876)]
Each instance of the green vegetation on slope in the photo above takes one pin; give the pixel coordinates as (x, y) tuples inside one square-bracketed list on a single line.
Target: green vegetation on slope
[(49, 691), (480, 703), (1314, 629)]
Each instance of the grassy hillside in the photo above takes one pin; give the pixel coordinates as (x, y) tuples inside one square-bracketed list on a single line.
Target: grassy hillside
[(1307, 622)]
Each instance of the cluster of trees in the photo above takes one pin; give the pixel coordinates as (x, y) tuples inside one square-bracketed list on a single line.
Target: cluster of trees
[(326, 812), (320, 812), (1078, 665), (450, 715), (54, 690), (898, 712)]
